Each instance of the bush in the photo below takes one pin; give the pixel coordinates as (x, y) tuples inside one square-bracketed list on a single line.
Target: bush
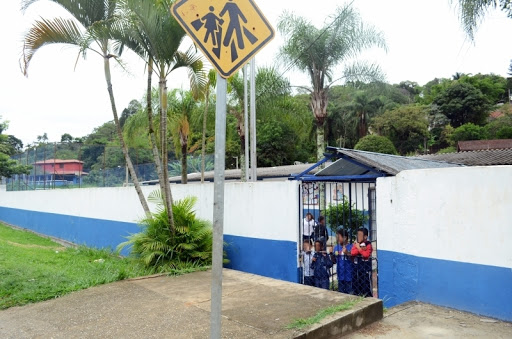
[(161, 250), (468, 131), (376, 143), (338, 216)]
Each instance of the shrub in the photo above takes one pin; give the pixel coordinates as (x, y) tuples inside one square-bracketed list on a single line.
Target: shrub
[(376, 143), (160, 249), (338, 215)]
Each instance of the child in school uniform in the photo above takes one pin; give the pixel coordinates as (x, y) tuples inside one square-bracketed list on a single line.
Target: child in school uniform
[(307, 260), (362, 251), (321, 263), (344, 264)]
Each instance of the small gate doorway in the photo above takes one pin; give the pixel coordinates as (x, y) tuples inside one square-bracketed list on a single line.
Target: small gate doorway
[(341, 198)]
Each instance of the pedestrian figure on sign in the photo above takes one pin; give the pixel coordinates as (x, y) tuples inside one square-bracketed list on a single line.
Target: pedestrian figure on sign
[(212, 24), (234, 26)]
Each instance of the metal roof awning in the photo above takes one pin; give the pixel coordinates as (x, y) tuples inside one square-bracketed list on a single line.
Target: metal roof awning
[(362, 166)]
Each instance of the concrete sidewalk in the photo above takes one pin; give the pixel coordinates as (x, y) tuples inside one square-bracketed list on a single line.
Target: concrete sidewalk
[(178, 307)]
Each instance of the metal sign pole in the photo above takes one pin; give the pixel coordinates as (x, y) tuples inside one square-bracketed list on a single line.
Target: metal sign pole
[(218, 208), (254, 176), (246, 125)]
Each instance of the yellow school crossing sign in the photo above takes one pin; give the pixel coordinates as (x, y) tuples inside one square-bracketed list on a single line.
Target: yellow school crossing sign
[(229, 32)]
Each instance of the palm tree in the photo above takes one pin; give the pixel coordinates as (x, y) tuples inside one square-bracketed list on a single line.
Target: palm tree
[(472, 12), (182, 104), (270, 86), (212, 81), (364, 108), (319, 51), (89, 29), (148, 28)]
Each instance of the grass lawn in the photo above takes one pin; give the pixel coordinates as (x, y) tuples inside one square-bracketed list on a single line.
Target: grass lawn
[(33, 268)]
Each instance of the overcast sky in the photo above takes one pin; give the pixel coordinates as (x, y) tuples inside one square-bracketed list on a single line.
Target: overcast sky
[(424, 37)]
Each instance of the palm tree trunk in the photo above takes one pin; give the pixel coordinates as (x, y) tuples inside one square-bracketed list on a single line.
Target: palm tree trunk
[(319, 107), (152, 137), (320, 143), (163, 140), (131, 169), (184, 148), (203, 142)]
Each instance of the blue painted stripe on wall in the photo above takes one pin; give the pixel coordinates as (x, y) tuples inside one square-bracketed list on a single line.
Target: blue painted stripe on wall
[(269, 258), (480, 289), (80, 230)]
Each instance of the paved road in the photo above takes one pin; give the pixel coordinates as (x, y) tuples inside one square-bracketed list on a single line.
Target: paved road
[(417, 320)]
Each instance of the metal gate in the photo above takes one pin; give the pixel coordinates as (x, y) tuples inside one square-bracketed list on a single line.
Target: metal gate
[(331, 212)]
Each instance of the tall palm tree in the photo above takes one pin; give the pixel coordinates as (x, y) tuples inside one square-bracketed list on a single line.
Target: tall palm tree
[(472, 12), (182, 104), (89, 30), (319, 51), (148, 28)]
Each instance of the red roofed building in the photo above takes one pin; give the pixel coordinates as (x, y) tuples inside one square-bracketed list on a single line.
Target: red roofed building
[(59, 170), (478, 145)]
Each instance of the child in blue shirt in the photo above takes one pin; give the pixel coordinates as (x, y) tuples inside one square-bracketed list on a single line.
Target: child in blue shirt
[(321, 263), (344, 265)]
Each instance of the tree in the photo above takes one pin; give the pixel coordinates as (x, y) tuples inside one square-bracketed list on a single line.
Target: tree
[(181, 106), (89, 29), (66, 137), (405, 126), (212, 81), (364, 108), (41, 139), (472, 12), (133, 107), (318, 52), (275, 146), (462, 103), (9, 167), (376, 143), (15, 144), (468, 131), (148, 29)]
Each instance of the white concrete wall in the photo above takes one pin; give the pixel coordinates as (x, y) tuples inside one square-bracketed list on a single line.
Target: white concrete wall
[(459, 214), (265, 210)]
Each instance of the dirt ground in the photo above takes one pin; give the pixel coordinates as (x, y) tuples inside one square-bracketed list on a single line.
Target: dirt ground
[(418, 320)]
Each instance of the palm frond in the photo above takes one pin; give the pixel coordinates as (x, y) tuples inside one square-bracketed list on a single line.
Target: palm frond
[(55, 31)]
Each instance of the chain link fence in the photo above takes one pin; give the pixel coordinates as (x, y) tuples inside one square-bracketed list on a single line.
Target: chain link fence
[(76, 165)]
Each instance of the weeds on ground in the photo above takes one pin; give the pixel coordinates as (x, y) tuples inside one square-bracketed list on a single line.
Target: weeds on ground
[(305, 322), (33, 268)]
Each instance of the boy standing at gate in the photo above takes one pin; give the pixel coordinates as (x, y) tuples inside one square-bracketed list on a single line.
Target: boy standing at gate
[(344, 265), (362, 251), (307, 260), (322, 262)]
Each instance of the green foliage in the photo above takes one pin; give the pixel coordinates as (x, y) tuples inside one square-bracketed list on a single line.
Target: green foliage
[(406, 126), (468, 131), (276, 144), (462, 103), (8, 166), (161, 250), (305, 322), (449, 149), (34, 268), (376, 143), (500, 128), (346, 216)]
